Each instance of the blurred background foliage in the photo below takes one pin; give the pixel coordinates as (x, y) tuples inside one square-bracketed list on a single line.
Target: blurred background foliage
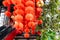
[(51, 21)]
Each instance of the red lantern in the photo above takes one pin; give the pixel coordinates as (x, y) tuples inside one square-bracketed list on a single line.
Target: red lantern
[(30, 3), (26, 35), (40, 22), (18, 18), (31, 24), (29, 9), (19, 6), (19, 12), (29, 17), (7, 13)]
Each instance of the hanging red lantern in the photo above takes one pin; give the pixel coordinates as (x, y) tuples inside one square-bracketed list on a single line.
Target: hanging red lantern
[(19, 12), (21, 26), (26, 35), (31, 24), (16, 2), (7, 13), (39, 33), (29, 17), (26, 30), (5, 3), (18, 18), (39, 10), (19, 6), (40, 22), (29, 9), (30, 3)]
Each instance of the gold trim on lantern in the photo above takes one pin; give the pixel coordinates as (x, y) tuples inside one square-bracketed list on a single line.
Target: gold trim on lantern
[(40, 3)]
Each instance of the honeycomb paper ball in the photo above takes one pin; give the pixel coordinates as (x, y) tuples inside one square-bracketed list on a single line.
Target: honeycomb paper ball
[(29, 17), (30, 3), (18, 18), (29, 10)]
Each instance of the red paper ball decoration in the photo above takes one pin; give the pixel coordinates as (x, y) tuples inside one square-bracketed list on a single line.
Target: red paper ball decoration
[(26, 35), (29, 17), (7, 13)]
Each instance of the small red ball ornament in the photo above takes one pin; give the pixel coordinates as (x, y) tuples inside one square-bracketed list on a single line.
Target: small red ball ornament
[(7, 13), (30, 3), (5, 3), (18, 18), (26, 35), (19, 12), (39, 33), (40, 22), (31, 24), (19, 6), (29, 17), (29, 9)]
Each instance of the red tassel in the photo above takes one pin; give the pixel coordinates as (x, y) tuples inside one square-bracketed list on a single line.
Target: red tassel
[(11, 35)]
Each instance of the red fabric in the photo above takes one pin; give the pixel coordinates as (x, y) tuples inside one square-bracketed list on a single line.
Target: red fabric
[(11, 35)]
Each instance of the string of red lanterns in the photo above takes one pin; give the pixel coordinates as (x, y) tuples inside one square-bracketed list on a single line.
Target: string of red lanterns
[(25, 15)]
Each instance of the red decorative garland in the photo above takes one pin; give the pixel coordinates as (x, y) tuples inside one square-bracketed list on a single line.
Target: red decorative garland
[(25, 15)]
